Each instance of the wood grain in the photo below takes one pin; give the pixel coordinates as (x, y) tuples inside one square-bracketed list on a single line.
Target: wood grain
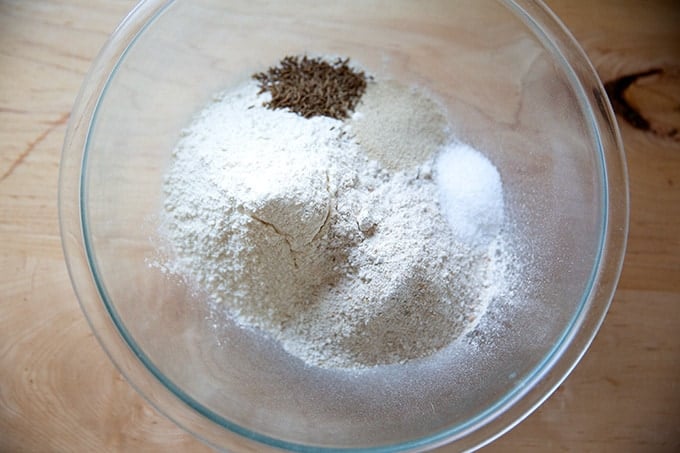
[(58, 390)]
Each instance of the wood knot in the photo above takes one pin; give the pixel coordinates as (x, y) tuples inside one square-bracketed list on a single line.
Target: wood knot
[(648, 100)]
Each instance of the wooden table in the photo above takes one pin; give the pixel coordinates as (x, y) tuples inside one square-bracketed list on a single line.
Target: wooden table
[(58, 390)]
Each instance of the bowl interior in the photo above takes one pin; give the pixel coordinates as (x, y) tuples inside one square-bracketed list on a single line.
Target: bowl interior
[(505, 93)]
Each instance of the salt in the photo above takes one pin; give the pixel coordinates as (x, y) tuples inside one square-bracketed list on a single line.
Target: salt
[(470, 194)]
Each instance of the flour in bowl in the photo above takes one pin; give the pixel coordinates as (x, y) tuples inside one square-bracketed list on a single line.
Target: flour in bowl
[(291, 228)]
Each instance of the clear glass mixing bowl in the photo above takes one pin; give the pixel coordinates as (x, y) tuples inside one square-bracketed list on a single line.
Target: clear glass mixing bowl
[(515, 85)]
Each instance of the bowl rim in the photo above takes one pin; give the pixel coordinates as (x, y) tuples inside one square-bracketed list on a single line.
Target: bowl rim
[(495, 420)]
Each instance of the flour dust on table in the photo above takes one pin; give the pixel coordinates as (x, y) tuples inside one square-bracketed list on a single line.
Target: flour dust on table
[(371, 238)]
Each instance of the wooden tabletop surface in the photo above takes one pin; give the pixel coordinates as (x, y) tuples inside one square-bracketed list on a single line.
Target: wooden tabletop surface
[(58, 390)]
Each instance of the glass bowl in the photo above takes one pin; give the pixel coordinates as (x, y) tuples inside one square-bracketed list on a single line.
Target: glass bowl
[(515, 85)]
